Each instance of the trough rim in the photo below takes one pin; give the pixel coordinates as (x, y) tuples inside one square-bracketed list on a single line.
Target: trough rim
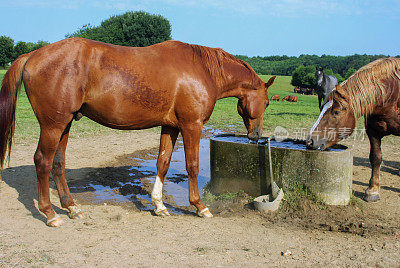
[(344, 148)]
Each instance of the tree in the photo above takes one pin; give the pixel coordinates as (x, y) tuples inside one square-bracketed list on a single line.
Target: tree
[(23, 47), (137, 29), (20, 48), (39, 44), (349, 72), (6, 50), (304, 76)]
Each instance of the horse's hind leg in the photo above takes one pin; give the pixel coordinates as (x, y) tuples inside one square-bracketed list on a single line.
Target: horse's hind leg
[(47, 146), (58, 172), (167, 142)]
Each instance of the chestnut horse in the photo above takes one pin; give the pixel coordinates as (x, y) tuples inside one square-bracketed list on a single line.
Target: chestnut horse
[(275, 98), (372, 92), (290, 98), (172, 84)]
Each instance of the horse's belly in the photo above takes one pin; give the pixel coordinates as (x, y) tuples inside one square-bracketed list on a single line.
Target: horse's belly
[(124, 119)]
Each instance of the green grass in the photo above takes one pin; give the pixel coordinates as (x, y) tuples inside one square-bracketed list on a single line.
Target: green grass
[(301, 114)]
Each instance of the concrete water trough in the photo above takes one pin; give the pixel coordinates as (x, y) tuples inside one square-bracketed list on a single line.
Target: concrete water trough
[(239, 165)]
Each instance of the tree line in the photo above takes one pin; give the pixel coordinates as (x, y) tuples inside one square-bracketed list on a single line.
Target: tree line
[(9, 50), (285, 65)]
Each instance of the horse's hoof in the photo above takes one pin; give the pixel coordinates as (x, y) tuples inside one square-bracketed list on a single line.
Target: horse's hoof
[(205, 213), (371, 198), (55, 222), (75, 213), (162, 212)]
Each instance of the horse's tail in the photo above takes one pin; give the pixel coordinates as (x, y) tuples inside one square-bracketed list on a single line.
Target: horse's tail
[(8, 99)]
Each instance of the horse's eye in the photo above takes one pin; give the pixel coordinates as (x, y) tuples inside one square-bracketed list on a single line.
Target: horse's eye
[(336, 112)]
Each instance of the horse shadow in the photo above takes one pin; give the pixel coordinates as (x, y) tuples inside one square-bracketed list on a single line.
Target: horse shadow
[(291, 113), (23, 180), (391, 167)]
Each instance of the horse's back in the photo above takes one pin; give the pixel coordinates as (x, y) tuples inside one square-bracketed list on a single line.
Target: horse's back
[(333, 81), (113, 85)]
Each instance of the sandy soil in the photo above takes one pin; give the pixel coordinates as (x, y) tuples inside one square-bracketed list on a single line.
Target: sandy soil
[(113, 236)]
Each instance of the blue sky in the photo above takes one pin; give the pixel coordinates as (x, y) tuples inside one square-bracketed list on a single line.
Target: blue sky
[(258, 27)]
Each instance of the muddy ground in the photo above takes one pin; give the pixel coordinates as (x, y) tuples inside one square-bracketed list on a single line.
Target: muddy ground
[(361, 234)]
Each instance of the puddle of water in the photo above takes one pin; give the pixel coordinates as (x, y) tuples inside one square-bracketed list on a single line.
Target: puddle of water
[(176, 183), (130, 186)]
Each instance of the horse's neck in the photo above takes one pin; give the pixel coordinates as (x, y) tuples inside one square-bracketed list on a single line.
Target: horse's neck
[(232, 86), (325, 79), (234, 91)]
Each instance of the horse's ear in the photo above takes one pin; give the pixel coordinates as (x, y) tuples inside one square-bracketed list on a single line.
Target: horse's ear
[(270, 82), (342, 93), (316, 68)]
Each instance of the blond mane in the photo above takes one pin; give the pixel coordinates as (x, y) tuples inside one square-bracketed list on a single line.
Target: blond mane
[(213, 60), (367, 88)]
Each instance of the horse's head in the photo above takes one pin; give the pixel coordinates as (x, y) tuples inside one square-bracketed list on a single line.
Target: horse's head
[(319, 75), (251, 107), (336, 121)]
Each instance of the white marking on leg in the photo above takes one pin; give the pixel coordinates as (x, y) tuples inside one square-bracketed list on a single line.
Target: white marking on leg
[(156, 195), (324, 109), (52, 219), (163, 152)]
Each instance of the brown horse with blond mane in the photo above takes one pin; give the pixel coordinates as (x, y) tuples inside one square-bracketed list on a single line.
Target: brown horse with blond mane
[(372, 92), (172, 84)]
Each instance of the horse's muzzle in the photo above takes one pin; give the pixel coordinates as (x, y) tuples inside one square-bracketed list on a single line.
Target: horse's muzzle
[(254, 135), (316, 144)]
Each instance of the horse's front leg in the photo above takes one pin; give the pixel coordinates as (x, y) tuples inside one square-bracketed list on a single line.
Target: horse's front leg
[(375, 158), (319, 101), (167, 143), (191, 138)]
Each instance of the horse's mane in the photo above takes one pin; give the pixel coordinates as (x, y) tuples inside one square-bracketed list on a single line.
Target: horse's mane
[(213, 60), (366, 87)]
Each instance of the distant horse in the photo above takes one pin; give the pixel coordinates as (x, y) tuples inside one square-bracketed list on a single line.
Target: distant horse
[(372, 92), (308, 91), (275, 98), (325, 84), (290, 98), (172, 84), (304, 91)]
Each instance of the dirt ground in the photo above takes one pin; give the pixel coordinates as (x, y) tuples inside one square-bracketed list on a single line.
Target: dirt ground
[(361, 234)]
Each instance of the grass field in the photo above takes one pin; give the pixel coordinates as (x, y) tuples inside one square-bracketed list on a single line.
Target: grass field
[(301, 114), (292, 116)]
